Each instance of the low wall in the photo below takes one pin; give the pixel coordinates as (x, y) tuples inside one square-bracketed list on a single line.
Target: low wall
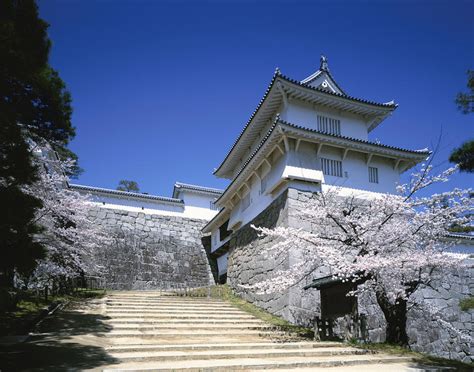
[(151, 251)]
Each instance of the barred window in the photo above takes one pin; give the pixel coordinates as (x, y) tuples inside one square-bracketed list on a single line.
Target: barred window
[(331, 167), (246, 201), (329, 125), (373, 175)]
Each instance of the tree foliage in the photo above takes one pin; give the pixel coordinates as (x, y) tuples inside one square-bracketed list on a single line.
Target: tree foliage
[(69, 234), (464, 156), (465, 101), (127, 185), (33, 104)]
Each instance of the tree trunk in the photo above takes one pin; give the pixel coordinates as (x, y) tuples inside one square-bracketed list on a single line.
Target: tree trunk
[(396, 317)]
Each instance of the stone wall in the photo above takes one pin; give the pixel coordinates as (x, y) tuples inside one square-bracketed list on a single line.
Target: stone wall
[(151, 251), (435, 323), (248, 265)]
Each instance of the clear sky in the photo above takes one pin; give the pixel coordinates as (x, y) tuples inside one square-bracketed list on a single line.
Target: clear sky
[(161, 89)]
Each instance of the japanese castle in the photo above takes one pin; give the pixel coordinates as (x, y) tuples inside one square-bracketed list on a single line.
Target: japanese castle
[(309, 135)]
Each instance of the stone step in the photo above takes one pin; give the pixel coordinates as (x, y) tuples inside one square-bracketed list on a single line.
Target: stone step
[(404, 366), (147, 292), (223, 346), (163, 356), (171, 308), (164, 307), (190, 327), (187, 304), (180, 333), (190, 317), (224, 322), (164, 298), (166, 301), (194, 340), (174, 312), (234, 364)]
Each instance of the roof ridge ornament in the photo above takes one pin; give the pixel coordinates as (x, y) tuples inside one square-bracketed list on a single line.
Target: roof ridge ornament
[(277, 71), (324, 63)]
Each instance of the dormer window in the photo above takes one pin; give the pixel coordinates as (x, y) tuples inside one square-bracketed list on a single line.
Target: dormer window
[(329, 125)]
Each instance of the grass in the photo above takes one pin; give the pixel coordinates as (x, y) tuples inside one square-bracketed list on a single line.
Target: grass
[(225, 293), (418, 357), (467, 303), (30, 308)]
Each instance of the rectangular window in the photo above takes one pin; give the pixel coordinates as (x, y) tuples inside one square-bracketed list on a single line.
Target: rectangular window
[(329, 125), (373, 175), (331, 167), (246, 202)]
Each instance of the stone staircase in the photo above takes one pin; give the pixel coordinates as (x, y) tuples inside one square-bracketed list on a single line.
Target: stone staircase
[(161, 332)]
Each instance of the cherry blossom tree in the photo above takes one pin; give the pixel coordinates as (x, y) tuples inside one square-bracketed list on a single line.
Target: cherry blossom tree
[(390, 243), (69, 234)]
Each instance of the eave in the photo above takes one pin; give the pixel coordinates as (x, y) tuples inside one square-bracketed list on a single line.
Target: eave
[(353, 144), (195, 189), (217, 220), (281, 129), (279, 89)]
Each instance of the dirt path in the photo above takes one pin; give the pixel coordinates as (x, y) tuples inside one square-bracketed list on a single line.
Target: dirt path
[(71, 340)]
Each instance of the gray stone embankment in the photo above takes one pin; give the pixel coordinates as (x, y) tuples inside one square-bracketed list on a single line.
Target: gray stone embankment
[(151, 251)]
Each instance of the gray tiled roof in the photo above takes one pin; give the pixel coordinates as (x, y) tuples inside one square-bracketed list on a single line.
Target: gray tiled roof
[(352, 139), (355, 140), (126, 194), (278, 74), (188, 186)]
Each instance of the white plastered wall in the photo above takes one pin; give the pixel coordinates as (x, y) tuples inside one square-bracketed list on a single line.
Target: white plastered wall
[(197, 205), (304, 168), (137, 205), (306, 115)]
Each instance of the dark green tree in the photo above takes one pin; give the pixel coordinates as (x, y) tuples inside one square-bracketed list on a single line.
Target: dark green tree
[(34, 105), (127, 185), (465, 101), (464, 155)]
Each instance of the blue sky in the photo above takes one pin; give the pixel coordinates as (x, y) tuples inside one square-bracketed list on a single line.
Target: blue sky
[(161, 89)]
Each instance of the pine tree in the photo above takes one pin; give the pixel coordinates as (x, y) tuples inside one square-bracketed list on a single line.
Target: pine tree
[(33, 103)]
